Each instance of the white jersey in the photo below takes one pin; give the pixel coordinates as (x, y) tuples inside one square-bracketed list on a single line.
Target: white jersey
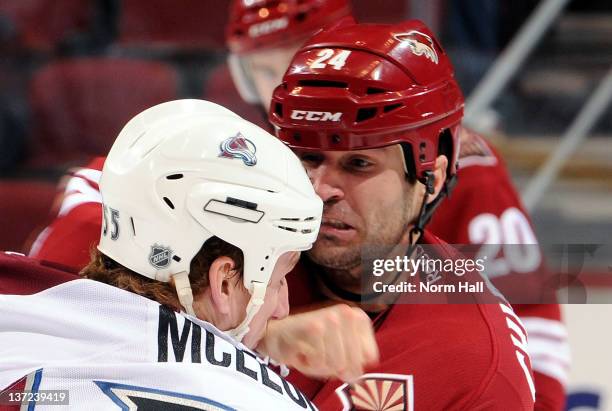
[(114, 350)]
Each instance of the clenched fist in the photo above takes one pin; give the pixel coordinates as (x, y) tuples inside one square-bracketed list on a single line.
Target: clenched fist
[(336, 341)]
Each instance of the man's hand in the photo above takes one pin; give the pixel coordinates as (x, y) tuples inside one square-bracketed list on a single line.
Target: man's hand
[(336, 341)]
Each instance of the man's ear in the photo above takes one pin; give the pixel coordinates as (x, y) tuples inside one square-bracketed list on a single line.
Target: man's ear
[(220, 276), (439, 173)]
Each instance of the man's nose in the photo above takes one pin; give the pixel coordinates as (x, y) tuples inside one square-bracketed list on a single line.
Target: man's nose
[(327, 183)]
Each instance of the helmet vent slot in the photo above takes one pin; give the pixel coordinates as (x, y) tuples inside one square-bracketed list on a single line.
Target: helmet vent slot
[(168, 202), (295, 228), (241, 203), (174, 177), (278, 109), (234, 208), (364, 114), (323, 83), (391, 107), (133, 228), (300, 17), (375, 90)]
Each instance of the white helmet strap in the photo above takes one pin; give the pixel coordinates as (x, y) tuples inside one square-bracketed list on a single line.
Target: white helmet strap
[(184, 292), (257, 299), (258, 294)]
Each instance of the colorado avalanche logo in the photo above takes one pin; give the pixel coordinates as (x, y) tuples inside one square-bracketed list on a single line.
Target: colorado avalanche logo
[(378, 392), (239, 147), (419, 44)]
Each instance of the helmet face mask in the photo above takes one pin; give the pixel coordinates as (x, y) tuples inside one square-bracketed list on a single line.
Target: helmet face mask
[(184, 171)]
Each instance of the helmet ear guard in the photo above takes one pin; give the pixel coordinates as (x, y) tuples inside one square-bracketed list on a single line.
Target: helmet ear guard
[(242, 79), (448, 144)]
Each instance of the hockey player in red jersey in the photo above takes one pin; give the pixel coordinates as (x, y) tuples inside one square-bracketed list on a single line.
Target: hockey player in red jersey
[(374, 111)]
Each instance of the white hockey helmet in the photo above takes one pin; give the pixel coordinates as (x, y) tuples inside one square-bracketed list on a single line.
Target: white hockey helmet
[(186, 170)]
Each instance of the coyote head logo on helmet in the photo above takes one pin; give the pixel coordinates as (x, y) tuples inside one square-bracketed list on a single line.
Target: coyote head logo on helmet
[(420, 44)]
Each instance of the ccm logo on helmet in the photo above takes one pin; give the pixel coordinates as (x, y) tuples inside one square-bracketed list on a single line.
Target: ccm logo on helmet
[(315, 115), (267, 27)]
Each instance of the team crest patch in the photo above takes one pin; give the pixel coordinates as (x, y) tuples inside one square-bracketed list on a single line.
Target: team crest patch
[(160, 256), (239, 147), (378, 392), (419, 44)]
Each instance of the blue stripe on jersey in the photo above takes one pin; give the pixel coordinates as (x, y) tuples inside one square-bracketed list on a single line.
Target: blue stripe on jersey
[(107, 388), (35, 387)]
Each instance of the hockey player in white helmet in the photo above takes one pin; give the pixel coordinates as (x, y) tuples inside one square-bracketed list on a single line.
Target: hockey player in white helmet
[(204, 215)]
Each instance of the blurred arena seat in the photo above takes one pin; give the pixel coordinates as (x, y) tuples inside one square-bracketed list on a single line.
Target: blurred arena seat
[(382, 11), (80, 105), (219, 88), (42, 24), (24, 207), (175, 25)]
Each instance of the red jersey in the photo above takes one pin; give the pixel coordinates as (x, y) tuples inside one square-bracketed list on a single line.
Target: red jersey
[(435, 357), (69, 239)]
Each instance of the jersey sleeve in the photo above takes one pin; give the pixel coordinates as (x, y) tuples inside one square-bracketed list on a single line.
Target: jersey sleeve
[(69, 239)]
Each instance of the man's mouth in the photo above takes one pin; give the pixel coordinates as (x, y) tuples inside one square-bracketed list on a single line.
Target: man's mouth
[(338, 230), (333, 223)]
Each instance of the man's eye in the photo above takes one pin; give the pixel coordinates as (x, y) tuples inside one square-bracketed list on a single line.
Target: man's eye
[(359, 163), (311, 158)]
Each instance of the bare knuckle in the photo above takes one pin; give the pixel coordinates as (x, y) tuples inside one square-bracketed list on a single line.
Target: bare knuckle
[(316, 328)]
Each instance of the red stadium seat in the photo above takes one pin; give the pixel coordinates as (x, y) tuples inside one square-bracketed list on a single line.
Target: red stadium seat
[(42, 24), (219, 88), (79, 106), (382, 11), (182, 24), (24, 206)]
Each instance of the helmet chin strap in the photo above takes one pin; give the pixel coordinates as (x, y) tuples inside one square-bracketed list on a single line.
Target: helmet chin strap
[(184, 292), (258, 293)]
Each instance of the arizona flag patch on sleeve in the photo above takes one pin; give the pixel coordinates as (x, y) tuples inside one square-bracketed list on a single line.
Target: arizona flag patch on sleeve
[(378, 392)]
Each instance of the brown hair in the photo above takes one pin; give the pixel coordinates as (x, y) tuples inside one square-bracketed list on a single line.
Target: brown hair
[(106, 270)]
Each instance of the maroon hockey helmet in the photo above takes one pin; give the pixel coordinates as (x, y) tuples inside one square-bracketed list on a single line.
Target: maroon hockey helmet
[(359, 86), (257, 24)]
